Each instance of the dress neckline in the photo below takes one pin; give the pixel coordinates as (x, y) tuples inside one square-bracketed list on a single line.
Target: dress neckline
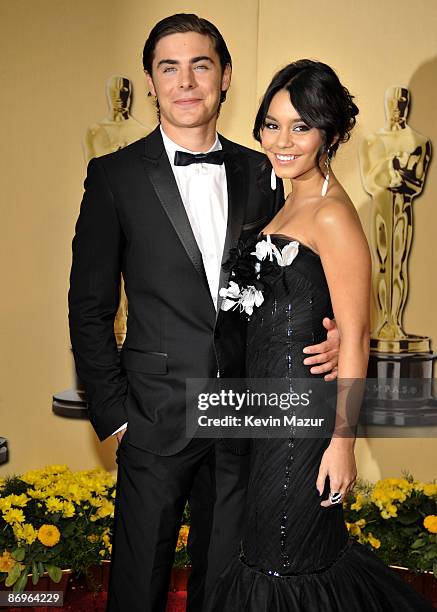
[(291, 239)]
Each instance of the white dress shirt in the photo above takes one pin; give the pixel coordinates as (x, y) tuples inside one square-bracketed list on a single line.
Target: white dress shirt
[(204, 192)]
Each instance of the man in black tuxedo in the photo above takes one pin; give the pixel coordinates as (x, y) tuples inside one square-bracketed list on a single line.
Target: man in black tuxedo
[(165, 212)]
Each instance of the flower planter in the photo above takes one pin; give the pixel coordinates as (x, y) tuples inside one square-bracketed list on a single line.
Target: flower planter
[(45, 583), (179, 578), (97, 576), (424, 583)]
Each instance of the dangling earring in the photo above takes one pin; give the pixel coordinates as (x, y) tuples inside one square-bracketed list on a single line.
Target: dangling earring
[(273, 180), (328, 168)]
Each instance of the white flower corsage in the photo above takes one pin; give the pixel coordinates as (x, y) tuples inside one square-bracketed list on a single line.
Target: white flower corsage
[(284, 257), (244, 299), (247, 296)]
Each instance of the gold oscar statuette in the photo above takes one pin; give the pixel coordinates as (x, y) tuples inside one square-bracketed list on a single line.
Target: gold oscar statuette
[(113, 133), (393, 163)]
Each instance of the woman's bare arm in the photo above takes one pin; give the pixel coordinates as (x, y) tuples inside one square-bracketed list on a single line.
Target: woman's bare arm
[(345, 256)]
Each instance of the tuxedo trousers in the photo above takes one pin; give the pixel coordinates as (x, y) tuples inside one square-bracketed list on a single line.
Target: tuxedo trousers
[(151, 494)]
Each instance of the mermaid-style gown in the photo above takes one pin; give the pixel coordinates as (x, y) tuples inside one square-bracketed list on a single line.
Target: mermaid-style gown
[(295, 554)]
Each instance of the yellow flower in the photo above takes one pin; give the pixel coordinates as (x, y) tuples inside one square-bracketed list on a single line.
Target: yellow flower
[(25, 532), (56, 469), (390, 490), (7, 562), (430, 523), (106, 540), (373, 541), (355, 528), (183, 537), (14, 516), (360, 500), (93, 538), (54, 504), (106, 508), (389, 511), (49, 535), (68, 509), (5, 503), (13, 500), (430, 489), (36, 494)]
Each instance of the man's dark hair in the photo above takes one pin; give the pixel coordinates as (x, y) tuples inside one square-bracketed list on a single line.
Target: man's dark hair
[(182, 23), (320, 99)]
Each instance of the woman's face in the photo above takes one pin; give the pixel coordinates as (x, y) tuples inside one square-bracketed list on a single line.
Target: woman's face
[(289, 143)]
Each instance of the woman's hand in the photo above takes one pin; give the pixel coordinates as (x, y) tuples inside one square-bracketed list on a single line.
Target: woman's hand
[(338, 462)]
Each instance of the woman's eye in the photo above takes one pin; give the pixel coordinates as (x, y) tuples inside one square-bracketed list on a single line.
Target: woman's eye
[(270, 126), (301, 128)]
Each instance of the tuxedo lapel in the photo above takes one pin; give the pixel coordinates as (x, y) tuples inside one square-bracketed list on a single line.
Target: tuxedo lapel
[(161, 176), (235, 179)]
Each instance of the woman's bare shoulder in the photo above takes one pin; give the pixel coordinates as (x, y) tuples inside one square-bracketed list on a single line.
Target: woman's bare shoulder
[(335, 209)]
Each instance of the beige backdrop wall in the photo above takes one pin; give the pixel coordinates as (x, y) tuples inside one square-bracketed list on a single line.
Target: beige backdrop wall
[(56, 58)]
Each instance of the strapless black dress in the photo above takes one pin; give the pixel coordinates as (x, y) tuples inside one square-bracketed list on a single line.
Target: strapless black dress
[(295, 554)]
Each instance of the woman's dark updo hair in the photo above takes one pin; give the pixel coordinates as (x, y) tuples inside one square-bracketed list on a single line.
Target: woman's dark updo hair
[(320, 99)]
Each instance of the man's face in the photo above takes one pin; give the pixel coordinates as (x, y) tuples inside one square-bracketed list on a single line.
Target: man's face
[(187, 79)]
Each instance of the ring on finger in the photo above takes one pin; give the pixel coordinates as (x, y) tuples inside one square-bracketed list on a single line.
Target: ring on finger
[(335, 498)]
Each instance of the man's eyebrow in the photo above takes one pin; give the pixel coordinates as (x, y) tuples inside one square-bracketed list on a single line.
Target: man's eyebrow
[(201, 58), (167, 61), (193, 60)]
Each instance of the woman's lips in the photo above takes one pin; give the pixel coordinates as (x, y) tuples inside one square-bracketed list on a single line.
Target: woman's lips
[(284, 160)]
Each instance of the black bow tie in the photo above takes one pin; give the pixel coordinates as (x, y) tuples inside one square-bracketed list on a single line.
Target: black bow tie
[(185, 159)]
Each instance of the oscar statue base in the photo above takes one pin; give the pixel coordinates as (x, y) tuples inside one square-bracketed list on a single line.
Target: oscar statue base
[(401, 390), (406, 344), (71, 404), (4, 455)]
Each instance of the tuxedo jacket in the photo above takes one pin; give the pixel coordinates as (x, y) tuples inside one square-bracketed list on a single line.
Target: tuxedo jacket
[(132, 221)]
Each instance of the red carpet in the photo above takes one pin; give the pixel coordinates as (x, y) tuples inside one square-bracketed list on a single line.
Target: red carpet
[(79, 599)]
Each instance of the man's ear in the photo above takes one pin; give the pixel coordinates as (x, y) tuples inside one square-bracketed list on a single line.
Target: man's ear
[(150, 83), (226, 77)]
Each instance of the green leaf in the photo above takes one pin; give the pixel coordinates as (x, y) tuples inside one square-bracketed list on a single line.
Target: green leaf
[(418, 543), (40, 568), (408, 518), (35, 573), (68, 529), (57, 549), (22, 580), (54, 572), (13, 575), (18, 554), (434, 569)]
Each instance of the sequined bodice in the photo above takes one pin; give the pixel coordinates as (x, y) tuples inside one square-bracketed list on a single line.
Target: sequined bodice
[(290, 317)]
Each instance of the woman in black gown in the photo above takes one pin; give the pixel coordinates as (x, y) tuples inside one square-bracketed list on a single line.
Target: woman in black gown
[(296, 554)]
